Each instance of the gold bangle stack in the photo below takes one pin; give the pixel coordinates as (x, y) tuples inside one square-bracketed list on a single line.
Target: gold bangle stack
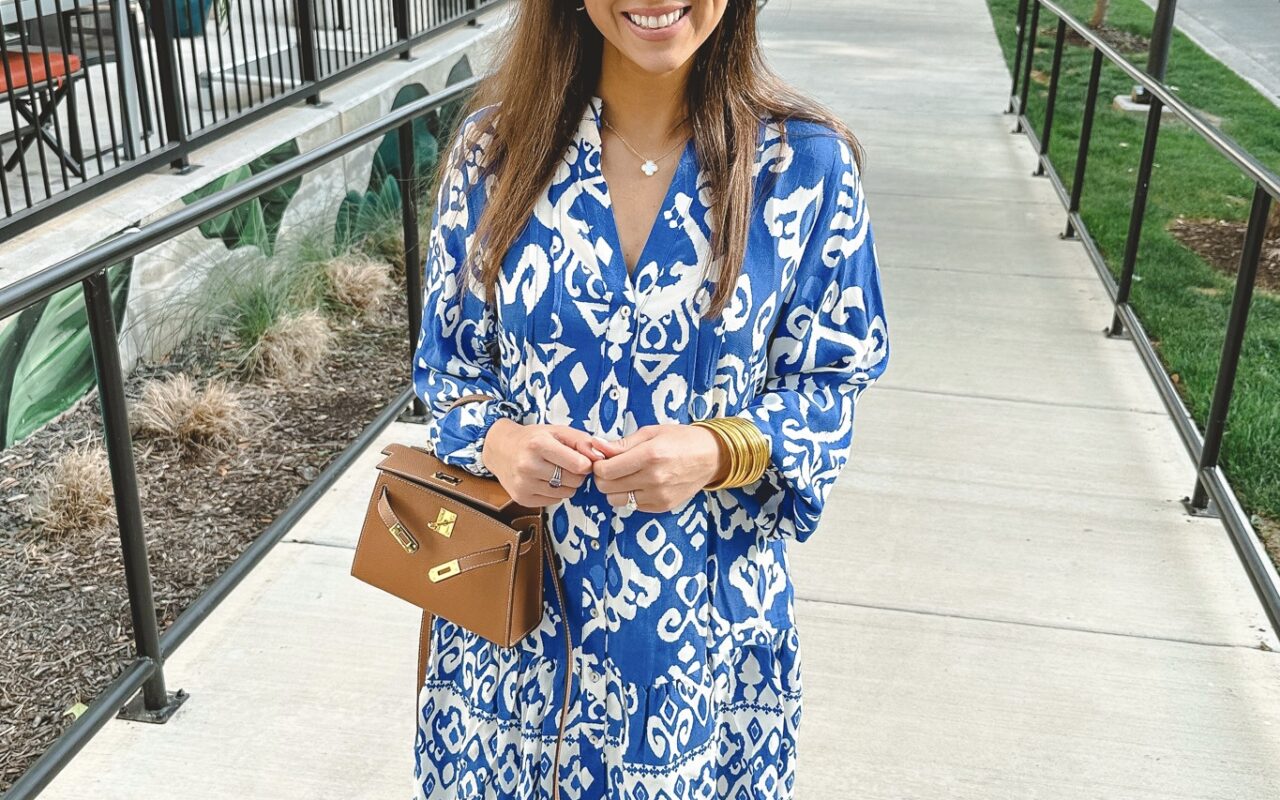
[(747, 447)]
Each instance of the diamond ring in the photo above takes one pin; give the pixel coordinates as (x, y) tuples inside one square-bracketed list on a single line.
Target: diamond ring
[(556, 475), (631, 501)]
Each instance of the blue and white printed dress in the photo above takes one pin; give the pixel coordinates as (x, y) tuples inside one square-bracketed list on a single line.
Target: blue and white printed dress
[(688, 676)]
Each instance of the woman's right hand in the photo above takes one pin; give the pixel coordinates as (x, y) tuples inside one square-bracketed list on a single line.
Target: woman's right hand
[(523, 458)]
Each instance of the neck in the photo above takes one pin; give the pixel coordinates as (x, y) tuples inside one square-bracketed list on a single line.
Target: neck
[(647, 108)]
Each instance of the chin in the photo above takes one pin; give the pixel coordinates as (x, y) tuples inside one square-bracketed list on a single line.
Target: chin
[(658, 63)]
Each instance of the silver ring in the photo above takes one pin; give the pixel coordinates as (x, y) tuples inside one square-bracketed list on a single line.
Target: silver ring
[(631, 501), (556, 475)]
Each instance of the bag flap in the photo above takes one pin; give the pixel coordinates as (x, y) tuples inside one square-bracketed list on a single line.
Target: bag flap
[(420, 466)]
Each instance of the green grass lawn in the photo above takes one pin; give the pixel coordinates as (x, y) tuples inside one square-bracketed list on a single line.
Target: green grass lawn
[(1182, 301)]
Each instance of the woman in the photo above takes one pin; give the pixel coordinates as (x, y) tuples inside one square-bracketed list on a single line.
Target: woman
[(662, 252)]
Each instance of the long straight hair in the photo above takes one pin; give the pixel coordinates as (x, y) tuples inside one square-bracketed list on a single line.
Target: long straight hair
[(548, 69)]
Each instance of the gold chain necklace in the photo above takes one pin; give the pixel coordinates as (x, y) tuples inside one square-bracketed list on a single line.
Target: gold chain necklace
[(650, 166)]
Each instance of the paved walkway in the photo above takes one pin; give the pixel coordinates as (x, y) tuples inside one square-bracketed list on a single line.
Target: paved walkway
[(1243, 34), (1005, 599)]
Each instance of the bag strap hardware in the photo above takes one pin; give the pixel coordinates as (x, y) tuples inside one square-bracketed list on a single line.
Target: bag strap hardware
[(405, 538)]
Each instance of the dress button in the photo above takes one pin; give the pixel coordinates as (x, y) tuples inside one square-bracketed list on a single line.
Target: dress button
[(595, 544), (613, 392), (595, 612), (625, 311)]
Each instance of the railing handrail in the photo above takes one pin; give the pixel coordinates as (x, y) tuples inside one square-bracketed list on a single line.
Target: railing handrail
[(1212, 494), (1223, 143), (180, 142), (145, 671), (56, 277)]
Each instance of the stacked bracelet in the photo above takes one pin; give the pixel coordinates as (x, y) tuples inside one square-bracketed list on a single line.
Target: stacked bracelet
[(747, 447)]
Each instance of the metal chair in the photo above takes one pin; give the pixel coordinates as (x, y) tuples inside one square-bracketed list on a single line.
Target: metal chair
[(36, 81)]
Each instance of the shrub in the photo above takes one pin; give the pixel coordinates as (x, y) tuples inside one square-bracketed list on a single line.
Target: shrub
[(74, 496), (194, 419)]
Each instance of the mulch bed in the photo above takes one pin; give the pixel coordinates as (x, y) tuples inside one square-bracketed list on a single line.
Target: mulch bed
[(1219, 242), (64, 613), (1123, 41)]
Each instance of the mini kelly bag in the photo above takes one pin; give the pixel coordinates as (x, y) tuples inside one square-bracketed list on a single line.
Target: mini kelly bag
[(457, 546), (454, 544)]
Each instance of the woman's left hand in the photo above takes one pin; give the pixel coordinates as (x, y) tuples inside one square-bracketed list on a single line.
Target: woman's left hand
[(664, 465)]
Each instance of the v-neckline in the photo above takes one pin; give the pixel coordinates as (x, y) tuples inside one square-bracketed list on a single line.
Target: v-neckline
[(618, 263)]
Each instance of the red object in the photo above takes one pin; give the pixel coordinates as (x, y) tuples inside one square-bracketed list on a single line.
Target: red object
[(29, 70)]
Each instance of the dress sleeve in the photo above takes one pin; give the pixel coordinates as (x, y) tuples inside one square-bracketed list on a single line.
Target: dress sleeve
[(829, 344), (456, 350)]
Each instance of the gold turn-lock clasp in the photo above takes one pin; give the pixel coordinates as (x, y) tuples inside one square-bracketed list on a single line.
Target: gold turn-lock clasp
[(402, 536), (444, 523), (446, 570)]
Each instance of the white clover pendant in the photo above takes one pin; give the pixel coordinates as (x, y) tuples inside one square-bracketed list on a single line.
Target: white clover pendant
[(648, 167)]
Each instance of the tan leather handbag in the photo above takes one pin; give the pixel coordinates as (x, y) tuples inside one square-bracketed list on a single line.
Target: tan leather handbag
[(456, 545)]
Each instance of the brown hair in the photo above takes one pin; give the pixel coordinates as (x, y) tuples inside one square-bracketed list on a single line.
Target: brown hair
[(547, 72)]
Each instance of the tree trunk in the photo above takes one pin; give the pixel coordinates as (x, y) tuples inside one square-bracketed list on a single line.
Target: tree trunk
[(1099, 14)]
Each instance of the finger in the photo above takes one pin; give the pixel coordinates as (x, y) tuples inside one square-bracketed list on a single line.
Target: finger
[(620, 445), (551, 449), (575, 438), (543, 500), (567, 477), (635, 482), (609, 449), (555, 495), (626, 463), (620, 499), (590, 452)]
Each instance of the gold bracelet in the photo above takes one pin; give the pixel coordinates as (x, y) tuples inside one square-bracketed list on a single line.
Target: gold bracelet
[(747, 448), (757, 448), (723, 445), (740, 455), (743, 462)]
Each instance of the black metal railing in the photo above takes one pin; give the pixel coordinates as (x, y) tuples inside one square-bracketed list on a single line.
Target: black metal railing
[(1212, 494), (93, 92), (146, 672)]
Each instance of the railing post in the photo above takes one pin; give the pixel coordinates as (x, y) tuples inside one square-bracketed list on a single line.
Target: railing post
[(304, 22), (1053, 96), (1135, 217), (1086, 133), (1158, 48), (412, 245), (1216, 424), (157, 704), (161, 21), (400, 10), (1021, 27), (1026, 68)]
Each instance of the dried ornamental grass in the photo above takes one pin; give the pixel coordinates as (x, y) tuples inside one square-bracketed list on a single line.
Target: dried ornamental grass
[(292, 347), (74, 496), (358, 282), (192, 418)]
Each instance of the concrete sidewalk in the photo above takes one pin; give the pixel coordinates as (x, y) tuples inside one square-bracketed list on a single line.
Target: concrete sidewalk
[(1005, 598)]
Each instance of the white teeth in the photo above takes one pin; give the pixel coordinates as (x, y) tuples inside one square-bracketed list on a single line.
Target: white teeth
[(654, 23)]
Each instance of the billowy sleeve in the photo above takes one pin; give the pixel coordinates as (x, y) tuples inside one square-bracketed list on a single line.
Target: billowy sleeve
[(829, 344), (456, 353)]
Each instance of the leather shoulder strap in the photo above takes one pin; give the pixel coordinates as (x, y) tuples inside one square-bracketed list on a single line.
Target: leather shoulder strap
[(424, 648)]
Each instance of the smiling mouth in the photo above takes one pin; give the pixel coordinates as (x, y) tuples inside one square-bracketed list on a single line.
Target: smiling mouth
[(658, 22)]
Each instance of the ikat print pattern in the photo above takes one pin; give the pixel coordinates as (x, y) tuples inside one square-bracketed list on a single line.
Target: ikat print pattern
[(687, 683)]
